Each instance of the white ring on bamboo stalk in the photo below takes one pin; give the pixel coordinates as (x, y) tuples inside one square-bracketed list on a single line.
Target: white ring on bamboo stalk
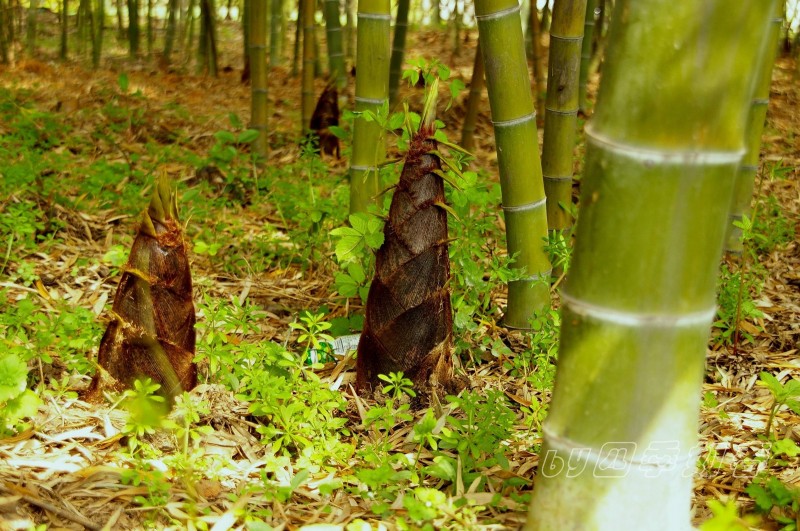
[(528, 206), (363, 168), (557, 177), (515, 121), (498, 14), (619, 461), (692, 157), (569, 112), (331, 30), (374, 101), (260, 91), (632, 319), (760, 101), (375, 16), (749, 167), (566, 37), (535, 278)]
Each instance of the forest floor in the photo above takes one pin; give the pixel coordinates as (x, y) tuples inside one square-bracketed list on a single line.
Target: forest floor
[(88, 145)]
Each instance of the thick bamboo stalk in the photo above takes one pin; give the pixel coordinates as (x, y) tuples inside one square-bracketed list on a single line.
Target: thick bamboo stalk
[(561, 107), (97, 48), (476, 86), (514, 120), (308, 100), (133, 27), (586, 55), (398, 49), (746, 176), (668, 134), (333, 29), (258, 74), (372, 91)]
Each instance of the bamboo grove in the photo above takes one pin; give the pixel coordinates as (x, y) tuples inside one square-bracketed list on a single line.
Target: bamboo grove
[(669, 171)]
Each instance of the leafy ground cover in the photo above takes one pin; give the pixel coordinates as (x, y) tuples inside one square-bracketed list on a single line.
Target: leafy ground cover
[(273, 437)]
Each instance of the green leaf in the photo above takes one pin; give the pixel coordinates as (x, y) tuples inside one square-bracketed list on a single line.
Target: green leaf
[(225, 137), (771, 383), (760, 495), (338, 132), (123, 82), (13, 377), (357, 272), (726, 518), (346, 285), (233, 118), (785, 446), (247, 136), (23, 406), (396, 121)]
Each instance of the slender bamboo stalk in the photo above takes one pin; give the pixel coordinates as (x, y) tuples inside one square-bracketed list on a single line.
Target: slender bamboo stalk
[(537, 57), (275, 33), (30, 34), (97, 48), (308, 102), (350, 33), (64, 29), (586, 55), (514, 120), (150, 29), (372, 91), (258, 71), (746, 176), (662, 151), (169, 39), (398, 49), (298, 37), (246, 18), (476, 86), (561, 120), (333, 29)]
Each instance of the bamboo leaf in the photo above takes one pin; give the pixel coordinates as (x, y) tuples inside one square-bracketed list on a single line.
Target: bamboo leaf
[(448, 209)]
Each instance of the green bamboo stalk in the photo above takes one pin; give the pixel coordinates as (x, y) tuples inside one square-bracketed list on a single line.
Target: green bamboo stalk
[(372, 91), (30, 34), (308, 102), (333, 29), (150, 29), (746, 176), (97, 49), (398, 49), (561, 107), (258, 74), (298, 37), (350, 30), (133, 27), (586, 55), (64, 29), (662, 152), (275, 33), (514, 120), (246, 18), (537, 57), (476, 86)]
